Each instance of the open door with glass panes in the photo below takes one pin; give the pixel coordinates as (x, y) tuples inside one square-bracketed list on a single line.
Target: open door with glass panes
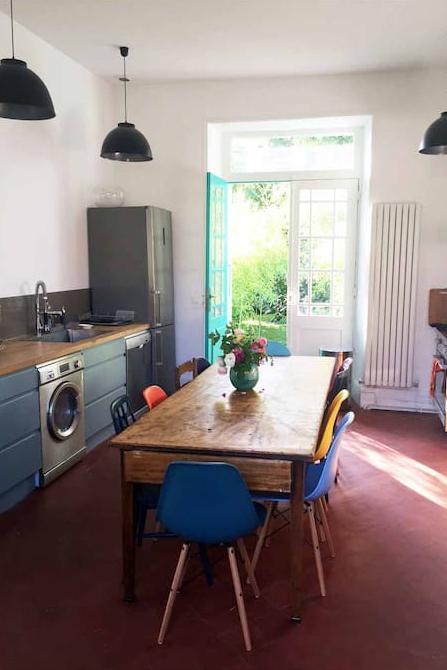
[(216, 289), (322, 265)]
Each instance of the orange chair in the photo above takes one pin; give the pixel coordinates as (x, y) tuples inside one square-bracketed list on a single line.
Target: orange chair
[(153, 396)]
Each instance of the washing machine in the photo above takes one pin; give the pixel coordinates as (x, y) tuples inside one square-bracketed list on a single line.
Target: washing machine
[(62, 421)]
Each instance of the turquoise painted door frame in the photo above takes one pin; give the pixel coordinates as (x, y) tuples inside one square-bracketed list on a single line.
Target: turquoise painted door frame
[(217, 273)]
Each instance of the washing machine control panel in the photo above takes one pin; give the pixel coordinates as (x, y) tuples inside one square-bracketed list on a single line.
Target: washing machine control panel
[(48, 372)]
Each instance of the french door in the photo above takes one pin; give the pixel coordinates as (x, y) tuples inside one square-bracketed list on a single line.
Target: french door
[(216, 280), (321, 281)]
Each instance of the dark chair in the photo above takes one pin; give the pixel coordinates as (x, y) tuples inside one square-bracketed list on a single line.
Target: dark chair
[(341, 380), (209, 503), (146, 495), (202, 365)]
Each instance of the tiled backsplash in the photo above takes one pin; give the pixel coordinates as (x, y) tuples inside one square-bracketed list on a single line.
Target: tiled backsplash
[(18, 314)]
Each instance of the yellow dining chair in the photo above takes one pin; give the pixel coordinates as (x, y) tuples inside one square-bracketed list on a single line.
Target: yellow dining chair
[(329, 424)]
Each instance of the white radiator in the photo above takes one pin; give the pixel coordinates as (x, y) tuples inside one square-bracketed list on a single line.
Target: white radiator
[(392, 295)]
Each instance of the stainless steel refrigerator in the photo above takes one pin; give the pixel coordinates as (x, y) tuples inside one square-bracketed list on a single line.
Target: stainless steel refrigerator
[(130, 265)]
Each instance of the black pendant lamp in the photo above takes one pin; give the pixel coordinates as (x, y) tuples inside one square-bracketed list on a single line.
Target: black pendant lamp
[(125, 142), (23, 95), (435, 137)]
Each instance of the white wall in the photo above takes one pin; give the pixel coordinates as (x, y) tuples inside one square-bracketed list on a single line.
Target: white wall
[(174, 117), (48, 171)]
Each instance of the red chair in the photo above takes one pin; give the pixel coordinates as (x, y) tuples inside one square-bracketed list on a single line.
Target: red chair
[(153, 396)]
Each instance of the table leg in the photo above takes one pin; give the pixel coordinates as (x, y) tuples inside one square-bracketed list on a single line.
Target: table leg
[(127, 536), (297, 539)]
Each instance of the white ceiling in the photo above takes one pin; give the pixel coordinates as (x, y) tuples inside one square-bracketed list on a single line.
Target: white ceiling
[(208, 39)]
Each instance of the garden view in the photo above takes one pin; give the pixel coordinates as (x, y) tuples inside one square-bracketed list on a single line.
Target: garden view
[(259, 222)]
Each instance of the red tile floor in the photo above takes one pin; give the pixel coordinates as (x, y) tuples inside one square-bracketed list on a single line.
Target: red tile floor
[(387, 589)]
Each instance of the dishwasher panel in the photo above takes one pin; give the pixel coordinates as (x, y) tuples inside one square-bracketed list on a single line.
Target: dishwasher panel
[(138, 367)]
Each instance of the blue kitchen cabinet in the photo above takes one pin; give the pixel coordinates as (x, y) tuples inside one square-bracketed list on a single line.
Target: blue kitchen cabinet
[(20, 440), (104, 380)]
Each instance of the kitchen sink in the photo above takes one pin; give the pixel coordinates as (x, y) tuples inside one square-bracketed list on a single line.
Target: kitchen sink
[(68, 335)]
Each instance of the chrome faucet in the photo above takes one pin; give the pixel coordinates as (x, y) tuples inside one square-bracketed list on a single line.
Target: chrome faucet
[(44, 314)]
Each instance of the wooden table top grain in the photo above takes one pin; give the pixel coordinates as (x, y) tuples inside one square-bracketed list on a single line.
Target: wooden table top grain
[(280, 419)]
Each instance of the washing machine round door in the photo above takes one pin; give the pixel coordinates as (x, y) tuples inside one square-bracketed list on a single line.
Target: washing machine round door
[(64, 410)]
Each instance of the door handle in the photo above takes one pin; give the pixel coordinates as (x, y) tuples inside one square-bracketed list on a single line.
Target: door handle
[(157, 303), (208, 298)]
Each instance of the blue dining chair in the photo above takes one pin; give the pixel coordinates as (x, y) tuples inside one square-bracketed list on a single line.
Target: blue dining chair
[(209, 503), (319, 479), (277, 349)]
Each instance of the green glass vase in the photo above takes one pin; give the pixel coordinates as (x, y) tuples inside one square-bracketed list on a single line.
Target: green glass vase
[(244, 380)]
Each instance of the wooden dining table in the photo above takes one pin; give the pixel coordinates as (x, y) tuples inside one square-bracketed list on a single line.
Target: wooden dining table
[(268, 434)]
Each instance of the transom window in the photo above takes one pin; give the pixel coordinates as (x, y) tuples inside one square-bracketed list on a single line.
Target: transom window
[(312, 152)]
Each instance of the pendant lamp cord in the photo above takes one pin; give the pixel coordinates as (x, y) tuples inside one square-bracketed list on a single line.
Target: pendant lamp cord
[(125, 89), (12, 28)]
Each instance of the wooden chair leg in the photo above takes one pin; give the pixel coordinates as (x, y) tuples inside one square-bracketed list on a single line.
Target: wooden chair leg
[(316, 546), (251, 579), (320, 528), (239, 597), (178, 576), (327, 530), (261, 536)]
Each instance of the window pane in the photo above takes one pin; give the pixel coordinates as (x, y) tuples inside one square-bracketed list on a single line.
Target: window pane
[(340, 219), (304, 256), (304, 195), (338, 288), (321, 287), (303, 287), (303, 310), (322, 195), (341, 194), (337, 311), (320, 310), (322, 219), (321, 254), (301, 153), (304, 219), (339, 254)]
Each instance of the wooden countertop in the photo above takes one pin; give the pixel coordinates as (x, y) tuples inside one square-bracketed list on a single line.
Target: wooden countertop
[(281, 419), (21, 353)]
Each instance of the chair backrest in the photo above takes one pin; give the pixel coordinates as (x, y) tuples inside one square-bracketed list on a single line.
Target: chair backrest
[(154, 395), (122, 414), (329, 423), (329, 470), (182, 369), (341, 379), (207, 503), (346, 364), (202, 365), (277, 349)]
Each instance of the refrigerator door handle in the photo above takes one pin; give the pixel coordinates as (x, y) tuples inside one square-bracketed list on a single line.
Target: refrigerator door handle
[(157, 303), (159, 348), (159, 308)]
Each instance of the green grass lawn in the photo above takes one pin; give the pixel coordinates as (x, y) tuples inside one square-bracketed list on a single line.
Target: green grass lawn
[(276, 332)]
